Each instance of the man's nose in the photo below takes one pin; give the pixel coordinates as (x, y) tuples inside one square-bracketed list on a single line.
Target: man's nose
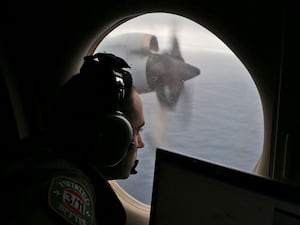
[(141, 143)]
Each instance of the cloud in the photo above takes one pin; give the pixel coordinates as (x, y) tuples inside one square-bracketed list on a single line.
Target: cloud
[(191, 36)]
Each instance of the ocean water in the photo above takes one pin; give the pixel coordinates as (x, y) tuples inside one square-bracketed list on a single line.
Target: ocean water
[(219, 117)]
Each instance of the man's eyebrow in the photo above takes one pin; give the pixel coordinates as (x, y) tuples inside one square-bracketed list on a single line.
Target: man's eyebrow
[(143, 124)]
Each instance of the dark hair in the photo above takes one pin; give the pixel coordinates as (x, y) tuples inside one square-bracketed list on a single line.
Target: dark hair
[(86, 98)]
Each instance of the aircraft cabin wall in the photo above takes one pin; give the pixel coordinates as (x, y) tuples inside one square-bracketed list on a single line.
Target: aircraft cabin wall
[(42, 43), (288, 153)]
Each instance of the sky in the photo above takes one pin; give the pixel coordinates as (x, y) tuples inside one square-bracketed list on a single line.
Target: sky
[(190, 34)]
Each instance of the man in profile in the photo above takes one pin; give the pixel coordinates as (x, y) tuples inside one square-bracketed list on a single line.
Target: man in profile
[(60, 176)]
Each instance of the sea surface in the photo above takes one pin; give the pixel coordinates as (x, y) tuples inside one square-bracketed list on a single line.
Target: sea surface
[(218, 117)]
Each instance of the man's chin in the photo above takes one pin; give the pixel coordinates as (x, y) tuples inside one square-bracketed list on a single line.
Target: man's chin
[(133, 169)]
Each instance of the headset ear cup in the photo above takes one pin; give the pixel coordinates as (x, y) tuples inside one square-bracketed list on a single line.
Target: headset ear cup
[(115, 136)]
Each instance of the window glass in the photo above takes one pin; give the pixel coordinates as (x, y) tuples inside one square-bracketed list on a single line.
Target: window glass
[(198, 97)]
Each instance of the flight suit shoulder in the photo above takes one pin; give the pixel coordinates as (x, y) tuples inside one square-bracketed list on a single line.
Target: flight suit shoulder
[(72, 199)]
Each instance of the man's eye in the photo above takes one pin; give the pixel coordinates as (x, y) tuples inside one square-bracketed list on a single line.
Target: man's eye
[(138, 130)]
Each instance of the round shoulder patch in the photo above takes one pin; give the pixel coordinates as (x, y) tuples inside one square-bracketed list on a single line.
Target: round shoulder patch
[(70, 200)]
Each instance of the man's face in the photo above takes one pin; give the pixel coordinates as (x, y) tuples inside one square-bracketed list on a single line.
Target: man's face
[(123, 169)]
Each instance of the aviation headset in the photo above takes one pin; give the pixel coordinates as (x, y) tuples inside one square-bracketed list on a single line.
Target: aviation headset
[(103, 135)]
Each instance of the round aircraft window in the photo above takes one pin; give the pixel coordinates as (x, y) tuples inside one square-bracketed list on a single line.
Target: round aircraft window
[(199, 99)]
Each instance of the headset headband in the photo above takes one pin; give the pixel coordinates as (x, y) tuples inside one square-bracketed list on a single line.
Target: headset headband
[(122, 78)]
